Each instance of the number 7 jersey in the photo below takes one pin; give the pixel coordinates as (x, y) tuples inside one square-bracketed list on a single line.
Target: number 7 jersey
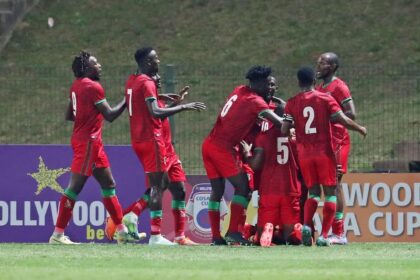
[(143, 126), (237, 117), (311, 111)]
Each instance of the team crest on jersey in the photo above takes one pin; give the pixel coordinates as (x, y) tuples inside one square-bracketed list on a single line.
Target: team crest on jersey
[(197, 211)]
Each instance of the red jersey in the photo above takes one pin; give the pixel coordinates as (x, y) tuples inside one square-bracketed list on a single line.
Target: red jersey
[(143, 126), (237, 117), (311, 112), (278, 175), (338, 89), (167, 134), (85, 94)]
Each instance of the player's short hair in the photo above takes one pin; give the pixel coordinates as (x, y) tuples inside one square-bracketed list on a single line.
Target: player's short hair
[(258, 72), (141, 54), (306, 76), (80, 64)]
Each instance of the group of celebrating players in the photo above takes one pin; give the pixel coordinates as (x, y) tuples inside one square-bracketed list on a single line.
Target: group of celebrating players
[(285, 151)]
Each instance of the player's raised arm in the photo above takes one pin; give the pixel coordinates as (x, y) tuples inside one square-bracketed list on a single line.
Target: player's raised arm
[(254, 158), (270, 115), (110, 114), (158, 112), (177, 98), (349, 123)]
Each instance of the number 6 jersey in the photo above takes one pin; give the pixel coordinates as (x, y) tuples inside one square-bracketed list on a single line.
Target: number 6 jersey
[(237, 117)]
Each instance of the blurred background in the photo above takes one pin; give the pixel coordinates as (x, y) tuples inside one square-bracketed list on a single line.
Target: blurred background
[(210, 45)]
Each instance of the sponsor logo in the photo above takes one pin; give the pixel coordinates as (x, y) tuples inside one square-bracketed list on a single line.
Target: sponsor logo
[(197, 211), (47, 177)]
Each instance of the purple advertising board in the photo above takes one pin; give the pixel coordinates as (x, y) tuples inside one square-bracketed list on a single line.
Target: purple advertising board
[(34, 176)]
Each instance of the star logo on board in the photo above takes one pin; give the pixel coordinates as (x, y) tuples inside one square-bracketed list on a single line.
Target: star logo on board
[(47, 178)]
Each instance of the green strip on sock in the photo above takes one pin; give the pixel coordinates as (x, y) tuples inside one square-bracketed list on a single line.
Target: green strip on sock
[(214, 205), (241, 200), (70, 194), (317, 198), (108, 192), (178, 204), (339, 215), (331, 198), (156, 214), (146, 197)]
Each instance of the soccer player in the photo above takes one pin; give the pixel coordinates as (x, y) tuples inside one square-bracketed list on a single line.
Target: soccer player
[(174, 179), (235, 121), (148, 138), (87, 108), (279, 188), (312, 113), (327, 66)]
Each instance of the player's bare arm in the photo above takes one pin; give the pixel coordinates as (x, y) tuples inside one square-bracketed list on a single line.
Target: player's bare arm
[(110, 114), (349, 123), (270, 115), (286, 127), (174, 99), (158, 112), (69, 112), (255, 158), (350, 109), (278, 100)]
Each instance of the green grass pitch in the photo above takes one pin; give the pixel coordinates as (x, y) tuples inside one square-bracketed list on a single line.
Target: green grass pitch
[(95, 261)]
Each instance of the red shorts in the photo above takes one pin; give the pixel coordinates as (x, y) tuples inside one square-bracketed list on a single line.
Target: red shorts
[(342, 152), (88, 155), (278, 210), (220, 162), (318, 169), (151, 155), (175, 171)]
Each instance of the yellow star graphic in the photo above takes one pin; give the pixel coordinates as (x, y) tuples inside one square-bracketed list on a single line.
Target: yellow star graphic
[(48, 178)]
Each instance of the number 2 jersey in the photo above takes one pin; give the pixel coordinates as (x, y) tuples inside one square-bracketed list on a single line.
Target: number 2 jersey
[(85, 94), (311, 111), (237, 117)]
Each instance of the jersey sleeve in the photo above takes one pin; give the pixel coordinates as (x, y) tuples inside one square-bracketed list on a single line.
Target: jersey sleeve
[(333, 107), (98, 94), (342, 94), (260, 105), (150, 92)]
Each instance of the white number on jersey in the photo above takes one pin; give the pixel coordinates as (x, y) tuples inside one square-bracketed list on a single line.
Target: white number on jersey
[(130, 95), (264, 126), (283, 150), (228, 104), (308, 112), (73, 101)]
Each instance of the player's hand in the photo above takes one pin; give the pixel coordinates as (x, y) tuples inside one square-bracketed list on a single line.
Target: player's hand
[(246, 147), (363, 131), (340, 170), (196, 106), (292, 135), (183, 93)]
